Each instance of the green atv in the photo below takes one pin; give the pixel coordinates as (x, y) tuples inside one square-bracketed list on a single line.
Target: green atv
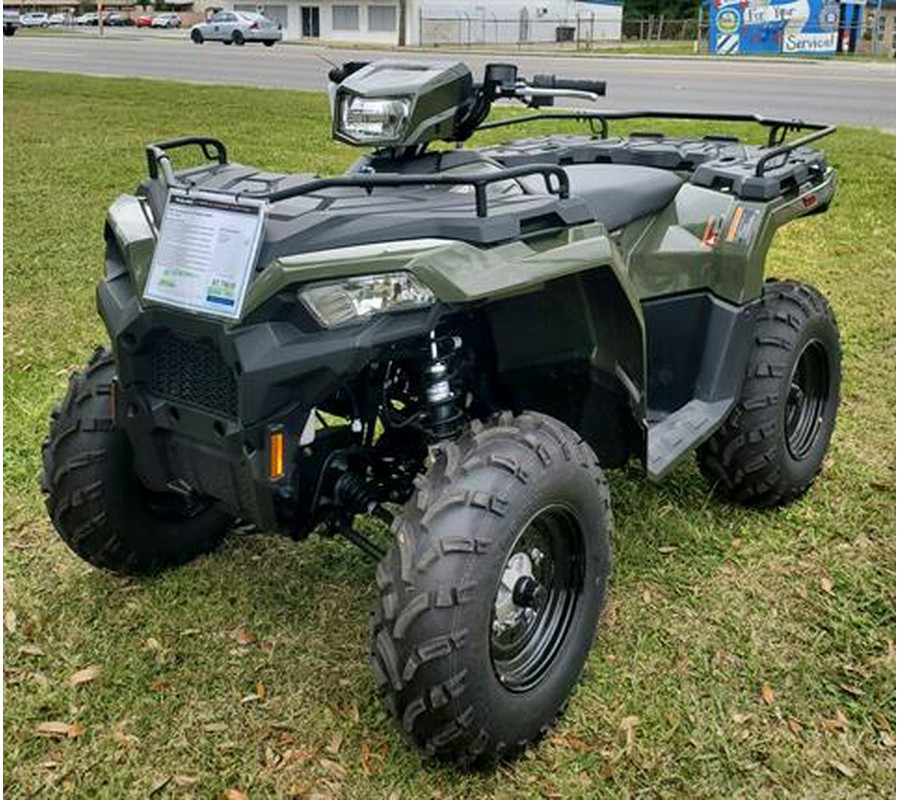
[(457, 342)]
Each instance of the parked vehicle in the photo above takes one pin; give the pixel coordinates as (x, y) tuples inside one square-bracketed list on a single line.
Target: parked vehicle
[(459, 343), (117, 19), (143, 21), (60, 19), (10, 22), (237, 27), (167, 20), (90, 18), (34, 19)]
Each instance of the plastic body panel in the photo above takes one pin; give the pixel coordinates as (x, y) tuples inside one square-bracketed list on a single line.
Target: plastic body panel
[(636, 337), (710, 240), (697, 349), (285, 364)]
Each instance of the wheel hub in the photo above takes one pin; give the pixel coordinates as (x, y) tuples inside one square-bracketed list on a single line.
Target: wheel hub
[(517, 593), (527, 593), (536, 598)]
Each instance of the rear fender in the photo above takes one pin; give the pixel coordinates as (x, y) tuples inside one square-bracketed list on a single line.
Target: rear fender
[(707, 239)]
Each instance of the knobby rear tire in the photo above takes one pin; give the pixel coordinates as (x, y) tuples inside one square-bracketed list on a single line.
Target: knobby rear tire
[(750, 460)]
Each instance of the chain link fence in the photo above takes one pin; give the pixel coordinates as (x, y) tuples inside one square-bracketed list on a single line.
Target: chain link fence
[(585, 31), (874, 34), (472, 30), (660, 29)]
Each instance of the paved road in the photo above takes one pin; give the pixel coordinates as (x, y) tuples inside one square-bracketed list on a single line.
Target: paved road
[(856, 93)]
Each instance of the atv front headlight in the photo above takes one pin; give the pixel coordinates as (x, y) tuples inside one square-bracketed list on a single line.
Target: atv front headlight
[(380, 120), (351, 299)]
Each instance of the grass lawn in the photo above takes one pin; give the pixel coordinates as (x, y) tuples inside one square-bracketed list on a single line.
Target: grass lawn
[(755, 649)]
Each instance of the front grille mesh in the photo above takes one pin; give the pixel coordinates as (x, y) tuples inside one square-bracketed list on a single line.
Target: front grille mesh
[(192, 372)]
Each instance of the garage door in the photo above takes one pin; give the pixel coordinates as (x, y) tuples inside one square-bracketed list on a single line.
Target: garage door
[(277, 14)]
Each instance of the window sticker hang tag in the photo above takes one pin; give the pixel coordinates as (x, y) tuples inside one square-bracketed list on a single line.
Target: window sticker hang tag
[(206, 251)]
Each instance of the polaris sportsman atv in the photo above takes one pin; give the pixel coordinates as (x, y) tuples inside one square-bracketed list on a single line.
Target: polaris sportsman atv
[(457, 342)]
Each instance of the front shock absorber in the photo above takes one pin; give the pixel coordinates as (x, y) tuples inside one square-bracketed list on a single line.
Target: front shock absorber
[(443, 414)]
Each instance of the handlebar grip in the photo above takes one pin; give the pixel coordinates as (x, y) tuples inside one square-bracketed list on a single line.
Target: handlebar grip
[(578, 84)]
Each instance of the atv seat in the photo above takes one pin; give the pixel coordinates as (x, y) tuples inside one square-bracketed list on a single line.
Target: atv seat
[(617, 194)]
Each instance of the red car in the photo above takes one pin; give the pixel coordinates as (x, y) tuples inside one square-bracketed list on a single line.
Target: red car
[(143, 21)]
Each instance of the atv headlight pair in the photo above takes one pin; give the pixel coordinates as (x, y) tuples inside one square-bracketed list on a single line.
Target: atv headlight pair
[(351, 299), (379, 120)]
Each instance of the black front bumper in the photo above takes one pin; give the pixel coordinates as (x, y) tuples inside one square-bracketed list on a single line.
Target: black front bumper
[(199, 398)]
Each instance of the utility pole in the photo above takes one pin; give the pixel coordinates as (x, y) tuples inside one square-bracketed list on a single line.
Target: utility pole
[(699, 26), (401, 24), (876, 29)]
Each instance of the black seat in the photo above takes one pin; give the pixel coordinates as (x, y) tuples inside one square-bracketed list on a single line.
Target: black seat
[(617, 194)]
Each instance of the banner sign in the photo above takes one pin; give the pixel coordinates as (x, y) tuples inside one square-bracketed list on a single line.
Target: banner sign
[(774, 27)]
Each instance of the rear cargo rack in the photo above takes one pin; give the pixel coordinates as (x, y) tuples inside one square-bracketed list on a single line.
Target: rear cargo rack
[(778, 128), (213, 149)]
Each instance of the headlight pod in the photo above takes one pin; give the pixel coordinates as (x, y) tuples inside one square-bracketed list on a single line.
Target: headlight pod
[(379, 120), (352, 299)]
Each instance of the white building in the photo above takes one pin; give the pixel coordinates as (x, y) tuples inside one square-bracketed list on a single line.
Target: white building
[(445, 22)]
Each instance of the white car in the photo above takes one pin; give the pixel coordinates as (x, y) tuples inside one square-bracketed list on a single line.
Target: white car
[(237, 27), (90, 18), (166, 21), (59, 19), (34, 19)]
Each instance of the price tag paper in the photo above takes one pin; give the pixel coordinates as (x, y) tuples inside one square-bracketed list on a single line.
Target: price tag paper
[(207, 249)]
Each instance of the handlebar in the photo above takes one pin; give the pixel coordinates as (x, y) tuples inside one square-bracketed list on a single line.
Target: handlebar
[(501, 81), (569, 84)]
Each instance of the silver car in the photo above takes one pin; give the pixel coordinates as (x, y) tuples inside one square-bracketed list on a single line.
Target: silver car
[(237, 27), (34, 19)]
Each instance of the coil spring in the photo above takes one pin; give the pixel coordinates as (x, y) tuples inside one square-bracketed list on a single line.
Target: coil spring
[(443, 415)]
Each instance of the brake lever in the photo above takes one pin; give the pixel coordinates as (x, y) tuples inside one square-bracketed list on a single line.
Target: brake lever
[(536, 97), (532, 91)]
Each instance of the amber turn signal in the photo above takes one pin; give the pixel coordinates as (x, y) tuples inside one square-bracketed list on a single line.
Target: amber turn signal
[(276, 455)]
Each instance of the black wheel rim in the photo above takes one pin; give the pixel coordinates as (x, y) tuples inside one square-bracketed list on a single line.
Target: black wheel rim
[(807, 400), (537, 597)]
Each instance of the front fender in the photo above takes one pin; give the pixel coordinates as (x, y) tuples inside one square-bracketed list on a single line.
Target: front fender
[(128, 223), (457, 272)]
